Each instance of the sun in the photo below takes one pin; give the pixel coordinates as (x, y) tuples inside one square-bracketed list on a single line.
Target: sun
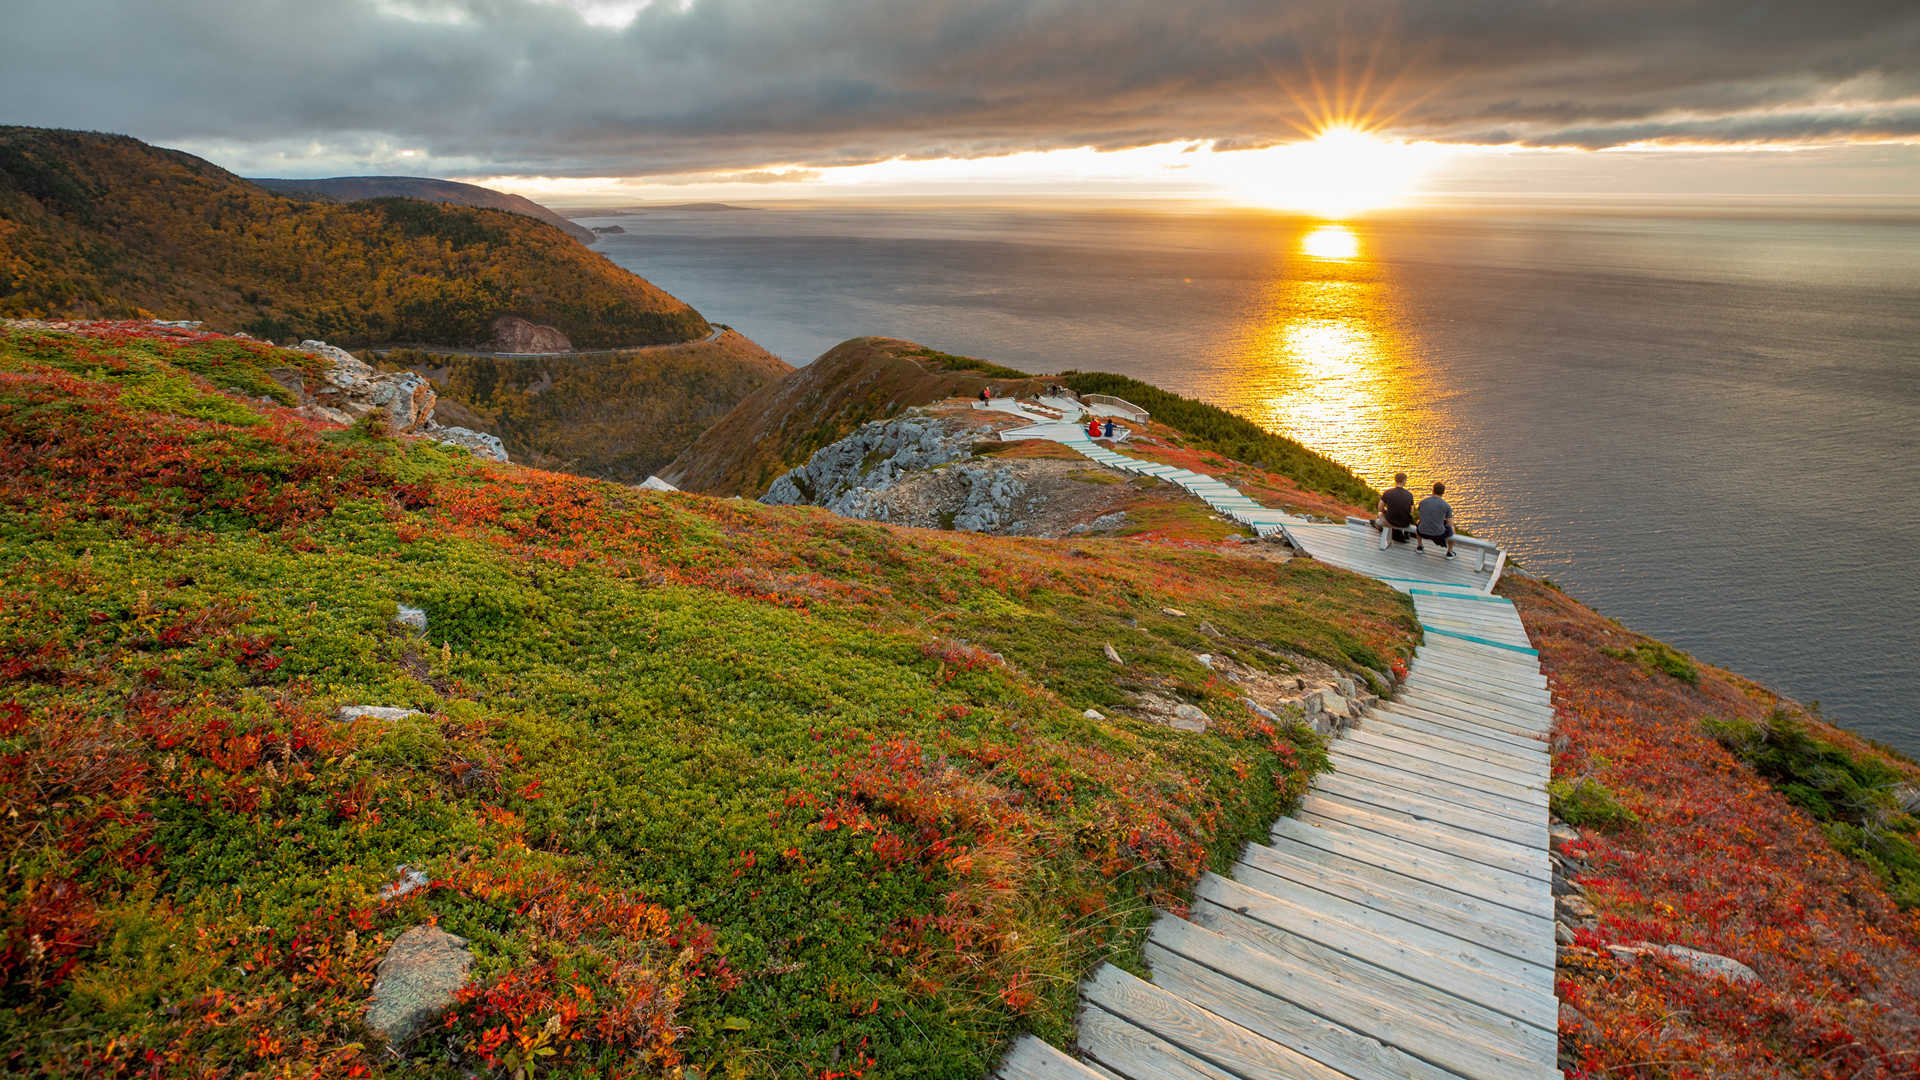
[(1342, 171)]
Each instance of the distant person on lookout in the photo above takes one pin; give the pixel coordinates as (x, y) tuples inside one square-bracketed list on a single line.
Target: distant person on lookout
[(1436, 521), (1396, 509), (986, 394)]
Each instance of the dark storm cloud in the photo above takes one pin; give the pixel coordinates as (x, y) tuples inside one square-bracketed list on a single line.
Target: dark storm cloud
[(523, 86)]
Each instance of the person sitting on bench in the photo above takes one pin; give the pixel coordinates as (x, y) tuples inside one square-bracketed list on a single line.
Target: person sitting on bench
[(1436, 521), (1395, 509)]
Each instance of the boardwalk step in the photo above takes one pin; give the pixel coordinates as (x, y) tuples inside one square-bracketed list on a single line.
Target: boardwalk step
[(1031, 1059), (1232, 1049)]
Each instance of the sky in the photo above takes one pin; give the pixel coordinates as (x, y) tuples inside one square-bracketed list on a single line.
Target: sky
[(611, 101)]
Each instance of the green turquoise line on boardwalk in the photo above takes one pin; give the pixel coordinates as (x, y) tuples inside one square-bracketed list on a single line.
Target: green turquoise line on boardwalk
[(1479, 640), (1459, 596)]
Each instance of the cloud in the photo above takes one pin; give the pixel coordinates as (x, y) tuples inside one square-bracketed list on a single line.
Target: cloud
[(626, 87)]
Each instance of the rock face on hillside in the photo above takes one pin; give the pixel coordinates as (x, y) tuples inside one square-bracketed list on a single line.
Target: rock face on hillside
[(848, 477), (513, 334), (350, 388), (780, 425), (921, 470)]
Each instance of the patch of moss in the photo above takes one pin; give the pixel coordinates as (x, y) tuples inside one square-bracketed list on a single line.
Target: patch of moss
[(1588, 803), (1660, 657)]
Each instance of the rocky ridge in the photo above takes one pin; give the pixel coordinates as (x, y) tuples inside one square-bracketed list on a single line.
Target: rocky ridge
[(350, 388)]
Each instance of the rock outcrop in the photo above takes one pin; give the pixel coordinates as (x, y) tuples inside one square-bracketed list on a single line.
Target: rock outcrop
[(422, 972), (513, 334), (350, 388), (848, 477)]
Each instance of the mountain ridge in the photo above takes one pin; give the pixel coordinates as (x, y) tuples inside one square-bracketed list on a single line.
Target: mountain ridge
[(105, 226), (348, 189)]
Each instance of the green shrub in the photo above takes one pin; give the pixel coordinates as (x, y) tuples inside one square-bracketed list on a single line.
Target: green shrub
[(1588, 803), (1661, 657), (1850, 795)]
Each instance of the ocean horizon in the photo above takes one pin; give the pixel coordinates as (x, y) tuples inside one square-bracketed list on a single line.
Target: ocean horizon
[(1703, 423)]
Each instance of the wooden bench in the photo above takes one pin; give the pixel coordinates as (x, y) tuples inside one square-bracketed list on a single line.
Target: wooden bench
[(1489, 551)]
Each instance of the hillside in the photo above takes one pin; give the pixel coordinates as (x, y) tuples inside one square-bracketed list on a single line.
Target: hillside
[(616, 416), (704, 787), (346, 189), (871, 378), (106, 226), (866, 379)]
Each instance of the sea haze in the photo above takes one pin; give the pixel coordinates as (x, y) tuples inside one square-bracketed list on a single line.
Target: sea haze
[(1703, 425)]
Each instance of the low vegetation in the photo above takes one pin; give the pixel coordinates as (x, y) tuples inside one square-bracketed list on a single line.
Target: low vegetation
[(1851, 794), (103, 226), (619, 416), (1661, 657), (712, 789), (1209, 427), (1587, 803), (1722, 860)]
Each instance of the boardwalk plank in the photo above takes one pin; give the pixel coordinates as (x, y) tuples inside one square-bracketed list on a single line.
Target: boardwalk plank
[(1370, 793), (1448, 1031), (1443, 792), (1481, 780), (1453, 727), (1462, 968), (1279, 871), (1520, 734), (1440, 835), (1228, 1046), (1480, 764), (1220, 979), (1135, 1053), (1031, 1059), (1479, 688), (1459, 742), (1503, 887)]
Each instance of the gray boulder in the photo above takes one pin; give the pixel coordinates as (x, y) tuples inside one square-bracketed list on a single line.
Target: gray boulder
[(410, 618), (422, 971), (1189, 718), (478, 443), (384, 713), (1705, 963)]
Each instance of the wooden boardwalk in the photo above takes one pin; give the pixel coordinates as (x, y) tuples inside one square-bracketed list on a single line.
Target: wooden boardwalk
[(1400, 927)]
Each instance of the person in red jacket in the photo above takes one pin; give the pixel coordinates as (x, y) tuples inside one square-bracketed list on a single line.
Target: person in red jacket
[(1093, 428)]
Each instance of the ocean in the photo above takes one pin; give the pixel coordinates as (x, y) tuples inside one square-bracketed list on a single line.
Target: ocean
[(1706, 425)]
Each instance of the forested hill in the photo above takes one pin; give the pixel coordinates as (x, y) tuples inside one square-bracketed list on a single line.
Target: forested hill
[(348, 189), (106, 226)]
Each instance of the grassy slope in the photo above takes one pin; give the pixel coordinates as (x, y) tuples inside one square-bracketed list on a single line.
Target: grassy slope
[(619, 417), (107, 226), (1721, 860), (703, 782)]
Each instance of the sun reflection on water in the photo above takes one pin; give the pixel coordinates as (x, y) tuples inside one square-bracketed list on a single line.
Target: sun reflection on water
[(1331, 242), (1324, 365)]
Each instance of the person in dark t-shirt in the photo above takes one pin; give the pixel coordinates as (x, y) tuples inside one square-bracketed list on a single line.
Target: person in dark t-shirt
[(1436, 521), (1396, 509)]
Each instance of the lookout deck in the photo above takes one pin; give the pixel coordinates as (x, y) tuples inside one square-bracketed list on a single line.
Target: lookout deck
[(1400, 927)]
